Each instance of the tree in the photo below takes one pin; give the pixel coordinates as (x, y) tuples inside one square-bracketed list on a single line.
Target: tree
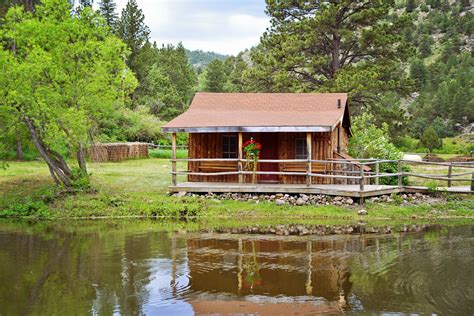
[(133, 31), (174, 62), (430, 139), (370, 141), (425, 46), (86, 3), (58, 68), (418, 72), (161, 95), (344, 46), (215, 77), (107, 10), (411, 5)]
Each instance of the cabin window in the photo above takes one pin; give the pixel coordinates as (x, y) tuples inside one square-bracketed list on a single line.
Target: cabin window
[(301, 152), (229, 146)]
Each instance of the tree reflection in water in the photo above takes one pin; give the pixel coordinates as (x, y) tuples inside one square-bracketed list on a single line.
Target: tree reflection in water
[(132, 268)]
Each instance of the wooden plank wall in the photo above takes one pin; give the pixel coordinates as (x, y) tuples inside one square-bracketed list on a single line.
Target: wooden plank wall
[(209, 145)]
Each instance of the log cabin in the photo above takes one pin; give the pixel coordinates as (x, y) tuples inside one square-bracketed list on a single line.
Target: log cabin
[(295, 130)]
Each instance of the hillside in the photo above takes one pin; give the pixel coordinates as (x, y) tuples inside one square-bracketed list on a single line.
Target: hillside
[(199, 59)]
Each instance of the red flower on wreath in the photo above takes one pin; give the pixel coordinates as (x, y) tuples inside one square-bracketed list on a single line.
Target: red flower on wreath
[(252, 148)]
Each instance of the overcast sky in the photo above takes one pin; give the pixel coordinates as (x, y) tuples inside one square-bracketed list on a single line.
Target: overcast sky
[(222, 26)]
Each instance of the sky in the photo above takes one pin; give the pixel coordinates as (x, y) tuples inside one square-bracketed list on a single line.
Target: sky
[(221, 26)]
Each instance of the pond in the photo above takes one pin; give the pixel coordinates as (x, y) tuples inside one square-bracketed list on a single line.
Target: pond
[(137, 267)]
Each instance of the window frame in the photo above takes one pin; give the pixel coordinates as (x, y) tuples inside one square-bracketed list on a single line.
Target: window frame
[(230, 153), (305, 148)]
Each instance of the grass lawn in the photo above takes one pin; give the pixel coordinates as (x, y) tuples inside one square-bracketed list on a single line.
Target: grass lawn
[(442, 171), (139, 188)]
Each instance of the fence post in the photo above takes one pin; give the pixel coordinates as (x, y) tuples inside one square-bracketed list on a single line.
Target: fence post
[(309, 150), (377, 170), (472, 182), (400, 169), (361, 181), (173, 159), (450, 172), (239, 164)]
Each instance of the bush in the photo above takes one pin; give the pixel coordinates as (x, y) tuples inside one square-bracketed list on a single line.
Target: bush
[(370, 141), (29, 208)]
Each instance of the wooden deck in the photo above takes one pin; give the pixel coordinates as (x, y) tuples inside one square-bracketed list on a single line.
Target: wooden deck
[(327, 189)]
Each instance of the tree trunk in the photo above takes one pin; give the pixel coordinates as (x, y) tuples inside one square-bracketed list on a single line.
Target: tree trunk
[(19, 149), (81, 160), (58, 167)]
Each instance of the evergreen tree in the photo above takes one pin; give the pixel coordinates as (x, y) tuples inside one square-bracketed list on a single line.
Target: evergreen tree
[(133, 31), (418, 73), (174, 62), (215, 77), (334, 45), (86, 3), (425, 46), (411, 5), (430, 139), (107, 9)]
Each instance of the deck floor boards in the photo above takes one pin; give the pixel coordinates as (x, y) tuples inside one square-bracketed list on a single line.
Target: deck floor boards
[(328, 189)]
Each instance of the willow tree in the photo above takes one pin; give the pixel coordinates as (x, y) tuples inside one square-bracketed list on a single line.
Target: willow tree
[(345, 46), (62, 74)]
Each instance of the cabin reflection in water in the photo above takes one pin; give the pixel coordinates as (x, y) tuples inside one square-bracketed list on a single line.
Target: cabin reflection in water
[(310, 276)]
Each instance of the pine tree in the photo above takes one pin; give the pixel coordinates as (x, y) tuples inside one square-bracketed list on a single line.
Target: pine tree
[(86, 3), (430, 139), (411, 5), (418, 73), (133, 31), (215, 76), (327, 46), (107, 9)]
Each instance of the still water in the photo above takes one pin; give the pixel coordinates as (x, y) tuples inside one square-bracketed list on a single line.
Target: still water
[(136, 268)]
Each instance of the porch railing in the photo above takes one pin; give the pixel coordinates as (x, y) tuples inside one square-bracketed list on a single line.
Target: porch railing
[(361, 175)]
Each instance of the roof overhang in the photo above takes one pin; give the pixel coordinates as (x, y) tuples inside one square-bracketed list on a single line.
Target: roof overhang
[(247, 129)]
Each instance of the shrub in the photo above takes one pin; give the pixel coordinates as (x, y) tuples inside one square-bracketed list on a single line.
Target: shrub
[(370, 141), (29, 208)]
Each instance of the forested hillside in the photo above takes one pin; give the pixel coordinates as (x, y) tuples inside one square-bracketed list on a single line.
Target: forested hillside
[(200, 59)]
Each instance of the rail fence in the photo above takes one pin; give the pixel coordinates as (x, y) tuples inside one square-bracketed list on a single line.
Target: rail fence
[(361, 175)]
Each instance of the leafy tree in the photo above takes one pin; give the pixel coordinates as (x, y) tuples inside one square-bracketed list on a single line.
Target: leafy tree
[(215, 77), (430, 139), (370, 141), (107, 10), (57, 69), (352, 46)]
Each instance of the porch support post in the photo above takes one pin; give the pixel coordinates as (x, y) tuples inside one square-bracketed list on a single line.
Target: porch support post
[(173, 159), (309, 141), (239, 164)]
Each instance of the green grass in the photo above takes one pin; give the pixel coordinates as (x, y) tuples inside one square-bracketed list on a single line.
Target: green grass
[(138, 188)]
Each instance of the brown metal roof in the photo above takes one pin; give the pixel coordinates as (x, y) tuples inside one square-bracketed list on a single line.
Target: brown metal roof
[(227, 112)]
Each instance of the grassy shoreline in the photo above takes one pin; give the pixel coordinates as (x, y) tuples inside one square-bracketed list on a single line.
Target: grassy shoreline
[(138, 189)]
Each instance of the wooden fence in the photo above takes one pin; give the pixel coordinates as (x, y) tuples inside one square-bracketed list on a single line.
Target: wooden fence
[(361, 176)]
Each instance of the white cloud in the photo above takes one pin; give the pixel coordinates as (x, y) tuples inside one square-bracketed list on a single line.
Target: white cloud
[(226, 27)]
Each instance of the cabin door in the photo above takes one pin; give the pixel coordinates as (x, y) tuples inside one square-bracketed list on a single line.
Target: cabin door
[(269, 142)]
